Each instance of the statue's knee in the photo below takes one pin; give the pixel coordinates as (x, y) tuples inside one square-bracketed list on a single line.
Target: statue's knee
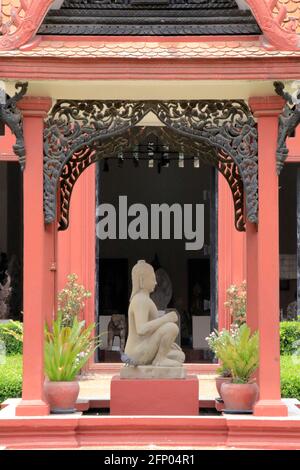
[(173, 329)]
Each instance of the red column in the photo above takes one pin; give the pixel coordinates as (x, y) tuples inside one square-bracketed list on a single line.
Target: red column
[(50, 281), (231, 251), (252, 285), (77, 244), (266, 110), (38, 246)]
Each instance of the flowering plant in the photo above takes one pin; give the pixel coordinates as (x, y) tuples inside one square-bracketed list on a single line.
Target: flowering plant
[(68, 348), (237, 349), (237, 302), (71, 300), (239, 352), (217, 341), (69, 343)]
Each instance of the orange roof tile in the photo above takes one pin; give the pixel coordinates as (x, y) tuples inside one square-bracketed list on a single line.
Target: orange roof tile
[(148, 50)]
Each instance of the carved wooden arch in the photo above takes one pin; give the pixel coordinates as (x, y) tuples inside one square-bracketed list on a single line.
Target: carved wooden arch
[(124, 143), (21, 22), (75, 127)]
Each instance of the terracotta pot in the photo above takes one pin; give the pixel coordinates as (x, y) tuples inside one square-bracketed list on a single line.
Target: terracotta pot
[(61, 396), (221, 380), (239, 397)]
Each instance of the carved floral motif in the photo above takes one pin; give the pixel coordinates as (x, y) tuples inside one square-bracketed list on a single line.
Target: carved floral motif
[(20, 20), (13, 11), (273, 19), (291, 21)]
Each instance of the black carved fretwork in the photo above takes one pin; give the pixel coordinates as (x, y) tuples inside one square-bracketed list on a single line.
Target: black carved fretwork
[(288, 122), (151, 4), (227, 126), (82, 159), (149, 18), (11, 116), (222, 133)]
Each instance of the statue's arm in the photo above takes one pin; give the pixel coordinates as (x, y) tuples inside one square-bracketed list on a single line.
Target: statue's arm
[(141, 315)]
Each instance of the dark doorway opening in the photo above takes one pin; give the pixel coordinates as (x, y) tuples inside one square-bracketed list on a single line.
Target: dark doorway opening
[(11, 241), (188, 275)]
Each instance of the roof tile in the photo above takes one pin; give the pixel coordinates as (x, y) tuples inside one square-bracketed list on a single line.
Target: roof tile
[(147, 50)]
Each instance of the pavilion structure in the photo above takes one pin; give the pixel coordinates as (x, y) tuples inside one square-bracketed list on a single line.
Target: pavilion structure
[(91, 72)]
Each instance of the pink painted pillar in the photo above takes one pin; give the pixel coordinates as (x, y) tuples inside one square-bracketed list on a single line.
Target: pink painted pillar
[(77, 244), (50, 289), (252, 299), (38, 244), (231, 251), (266, 110)]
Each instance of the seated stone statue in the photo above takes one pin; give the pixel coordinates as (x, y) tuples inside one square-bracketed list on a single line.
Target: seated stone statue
[(116, 328), (151, 338)]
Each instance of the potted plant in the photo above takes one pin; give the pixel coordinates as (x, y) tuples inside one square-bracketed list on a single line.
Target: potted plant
[(68, 346), (215, 341), (67, 349), (236, 302), (239, 352)]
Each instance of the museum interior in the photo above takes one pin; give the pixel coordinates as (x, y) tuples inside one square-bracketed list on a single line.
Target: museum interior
[(148, 175)]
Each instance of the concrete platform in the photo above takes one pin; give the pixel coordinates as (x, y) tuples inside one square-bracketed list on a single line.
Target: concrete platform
[(78, 431), (154, 397), (147, 432)]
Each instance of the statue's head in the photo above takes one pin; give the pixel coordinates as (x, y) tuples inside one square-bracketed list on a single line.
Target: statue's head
[(117, 320), (143, 278)]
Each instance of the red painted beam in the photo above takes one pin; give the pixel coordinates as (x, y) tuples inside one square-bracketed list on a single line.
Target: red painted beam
[(149, 69)]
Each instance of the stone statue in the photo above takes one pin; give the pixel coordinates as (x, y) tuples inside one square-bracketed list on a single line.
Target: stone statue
[(5, 293), (197, 307), (116, 328), (150, 350), (163, 292)]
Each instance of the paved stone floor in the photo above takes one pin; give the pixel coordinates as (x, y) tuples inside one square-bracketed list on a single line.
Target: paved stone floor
[(97, 386)]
